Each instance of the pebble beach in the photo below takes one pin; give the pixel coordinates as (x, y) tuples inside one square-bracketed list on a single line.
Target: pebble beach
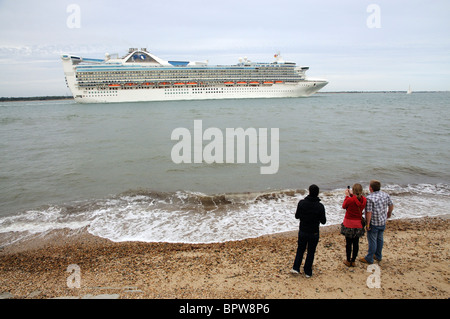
[(415, 265)]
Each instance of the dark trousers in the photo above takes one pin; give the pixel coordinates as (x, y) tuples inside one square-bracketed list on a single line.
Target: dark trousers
[(351, 245), (307, 241)]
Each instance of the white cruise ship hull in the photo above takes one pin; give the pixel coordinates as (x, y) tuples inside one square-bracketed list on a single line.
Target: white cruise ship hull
[(304, 89)]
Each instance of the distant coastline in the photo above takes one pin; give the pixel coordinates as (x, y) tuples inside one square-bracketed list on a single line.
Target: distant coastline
[(46, 98), (35, 98)]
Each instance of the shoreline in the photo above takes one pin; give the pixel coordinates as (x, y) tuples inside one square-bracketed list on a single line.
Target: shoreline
[(36, 98), (414, 266)]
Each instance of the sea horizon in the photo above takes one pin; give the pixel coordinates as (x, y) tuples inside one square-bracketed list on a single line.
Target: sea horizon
[(68, 96)]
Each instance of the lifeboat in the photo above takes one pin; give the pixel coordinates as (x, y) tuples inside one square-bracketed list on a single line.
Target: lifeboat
[(228, 83), (190, 83), (164, 83), (129, 84), (241, 82), (148, 83), (114, 85), (179, 83), (254, 83), (278, 82)]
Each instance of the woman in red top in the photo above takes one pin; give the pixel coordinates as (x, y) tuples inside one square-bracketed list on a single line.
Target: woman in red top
[(352, 227)]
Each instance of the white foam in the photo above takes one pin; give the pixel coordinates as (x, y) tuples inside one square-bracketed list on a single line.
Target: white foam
[(181, 217), (258, 218), (37, 221)]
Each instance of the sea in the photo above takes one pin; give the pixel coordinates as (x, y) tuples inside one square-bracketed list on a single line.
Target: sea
[(110, 169)]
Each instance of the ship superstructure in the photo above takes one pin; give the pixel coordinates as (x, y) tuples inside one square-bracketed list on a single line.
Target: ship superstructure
[(142, 76)]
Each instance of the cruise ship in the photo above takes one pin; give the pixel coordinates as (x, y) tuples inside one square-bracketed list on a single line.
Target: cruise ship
[(142, 76)]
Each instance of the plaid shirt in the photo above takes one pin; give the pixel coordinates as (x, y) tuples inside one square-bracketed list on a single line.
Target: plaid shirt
[(377, 203)]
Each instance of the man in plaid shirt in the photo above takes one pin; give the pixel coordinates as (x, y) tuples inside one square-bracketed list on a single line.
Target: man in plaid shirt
[(379, 208)]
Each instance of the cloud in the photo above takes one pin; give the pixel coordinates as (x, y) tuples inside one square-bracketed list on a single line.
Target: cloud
[(331, 37)]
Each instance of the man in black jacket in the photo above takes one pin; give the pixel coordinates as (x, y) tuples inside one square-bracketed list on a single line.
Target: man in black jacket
[(310, 212)]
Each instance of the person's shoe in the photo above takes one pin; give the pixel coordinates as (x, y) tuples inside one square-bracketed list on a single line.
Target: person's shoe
[(376, 258), (347, 263), (308, 276), (294, 272), (353, 264), (363, 260)]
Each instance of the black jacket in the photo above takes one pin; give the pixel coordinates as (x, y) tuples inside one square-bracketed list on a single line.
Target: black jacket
[(310, 212)]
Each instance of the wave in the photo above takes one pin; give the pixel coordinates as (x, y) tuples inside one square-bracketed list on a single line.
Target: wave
[(192, 217), (400, 171)]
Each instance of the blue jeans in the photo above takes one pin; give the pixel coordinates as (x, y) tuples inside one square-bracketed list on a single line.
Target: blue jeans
[(306, 241), (375, 239)]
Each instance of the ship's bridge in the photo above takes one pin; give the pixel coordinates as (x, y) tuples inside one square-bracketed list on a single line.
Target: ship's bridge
[(139, 56), (142, 56)]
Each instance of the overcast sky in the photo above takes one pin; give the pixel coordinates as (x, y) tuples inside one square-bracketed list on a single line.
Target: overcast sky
[(355, 44)]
